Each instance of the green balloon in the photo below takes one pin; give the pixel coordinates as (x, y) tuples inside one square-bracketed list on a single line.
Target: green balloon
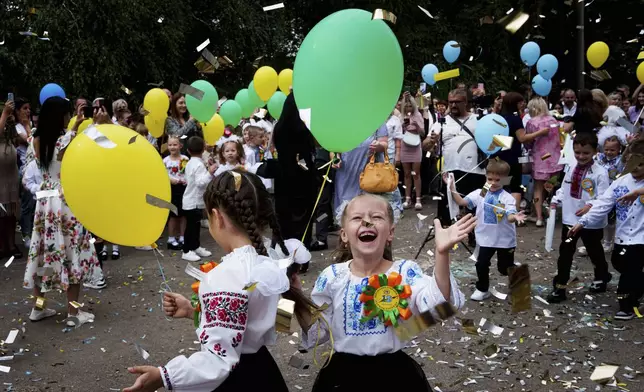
[(206, 108), (276, 104), (255, 100), (349, 72), (231, 112), (242, 99)]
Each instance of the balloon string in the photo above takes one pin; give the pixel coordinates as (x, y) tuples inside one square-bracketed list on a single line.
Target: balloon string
[(163, 287), (470, 171), (324, 181)]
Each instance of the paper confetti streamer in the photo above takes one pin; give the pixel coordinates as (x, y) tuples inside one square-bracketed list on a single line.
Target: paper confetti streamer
[(274, 7), (452, 73), (141, 352), (603, 373), (192, 91), (5, 369), (520, 288), (155, 201), (76, 305), (126, 90), (203, 45), (407, 329), (488, 326), (98, 138), (426, 12), (8, 263), (498, 295), (514, 22), (13, 334), (384, 15)]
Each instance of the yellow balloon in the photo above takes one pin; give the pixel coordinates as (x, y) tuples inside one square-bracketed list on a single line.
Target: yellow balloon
[(155, 124), (286, 80), (213, 129), (440, 165), (106, 182), (156, 101), (83, 126), (265, 82), (597, 54), (640, 72)]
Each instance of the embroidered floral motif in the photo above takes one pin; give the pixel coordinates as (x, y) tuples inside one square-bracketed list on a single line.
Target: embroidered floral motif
[(489, 215), (226, 309), (621, 210), (353, 312), (320, 283), (237, 339), (413, 273), (203, 338), (218, 350)]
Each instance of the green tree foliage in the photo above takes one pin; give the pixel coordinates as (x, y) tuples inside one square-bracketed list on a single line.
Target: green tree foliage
[(96, 47)]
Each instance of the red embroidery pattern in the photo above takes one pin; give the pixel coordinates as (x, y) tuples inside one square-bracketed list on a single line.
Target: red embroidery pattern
[(225, 309), (217, 349), (166, 376), (203, 338), (237, 339)]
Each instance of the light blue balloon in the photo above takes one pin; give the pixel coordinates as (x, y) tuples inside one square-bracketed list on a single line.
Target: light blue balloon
[(51, 90), (428, 72), (451, 51), (547, 66), (487, 127), (541, 86), (530, 52)]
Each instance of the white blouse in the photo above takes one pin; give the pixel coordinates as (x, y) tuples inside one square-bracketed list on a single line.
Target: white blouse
[(234, 321), (340, 289), (630, 218)]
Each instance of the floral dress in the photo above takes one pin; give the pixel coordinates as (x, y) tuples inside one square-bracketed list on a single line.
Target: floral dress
[(61, 253)]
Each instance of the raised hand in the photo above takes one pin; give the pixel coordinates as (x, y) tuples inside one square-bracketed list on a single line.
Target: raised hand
[(446, 238)]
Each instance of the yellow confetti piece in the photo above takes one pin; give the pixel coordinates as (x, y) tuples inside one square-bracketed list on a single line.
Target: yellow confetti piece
[(126, 284), (455, 247), (62, 351), (637, 312), (521, 340), (154, 246), (452, 73), (76, 304)]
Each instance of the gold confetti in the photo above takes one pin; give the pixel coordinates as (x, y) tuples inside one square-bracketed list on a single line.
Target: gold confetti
[(192, 91), (416, 324), (155, 201), (519, 282), (452, 73), (40, 303), (285, 322), (126, 90), (545, 156), (132, 140), (75, 304), (384, 15), (256, 61), (641, 55), (514, 21)]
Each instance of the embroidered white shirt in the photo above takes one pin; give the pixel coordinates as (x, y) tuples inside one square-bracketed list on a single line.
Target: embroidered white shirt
[(197, 179), (630, 219), (233, 321), (493, 229), (32, 179), (598, 180), (340, 289), (228, 167)]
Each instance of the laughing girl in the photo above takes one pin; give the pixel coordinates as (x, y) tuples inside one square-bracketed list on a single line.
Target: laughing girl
[(365, 346)]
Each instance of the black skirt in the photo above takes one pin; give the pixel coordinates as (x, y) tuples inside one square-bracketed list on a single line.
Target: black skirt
[(255, 372), (348, 372), (176, 192)]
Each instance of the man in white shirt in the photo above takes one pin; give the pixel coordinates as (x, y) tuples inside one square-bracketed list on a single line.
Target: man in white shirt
[(569, 103), (459, 149)]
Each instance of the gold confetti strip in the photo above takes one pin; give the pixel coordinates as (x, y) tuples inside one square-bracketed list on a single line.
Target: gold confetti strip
[(499, 123), (155, 201), (250, 287), (384, 15), (203, 45), (284, 322), (469, 327), (600, 75), (485, 189), (40, 303), (488, 326), (520, 288), (545, 156), (416, 324), (75, 304), (426, 12), (126, 90), (141, 352), (452, 73), (192, 91), (256, 61), (204, 67), (514, 21), (132, 140)]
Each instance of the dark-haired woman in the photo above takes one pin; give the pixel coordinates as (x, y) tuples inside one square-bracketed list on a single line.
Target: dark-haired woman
[(180, 123), (61, 255), (588, 115), (9, 197), (22, 115)]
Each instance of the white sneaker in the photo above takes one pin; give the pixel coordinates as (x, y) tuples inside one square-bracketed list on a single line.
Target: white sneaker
[(582, 251), (37, 315), (204, 223), (480, 295), (79, 319), (190, 256), (539, 223), (203, 252), (147, 247), (418, 206), (407, 204), (97, 284)]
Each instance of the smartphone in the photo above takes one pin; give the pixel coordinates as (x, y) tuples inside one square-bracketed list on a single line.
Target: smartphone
[(423, 87), (10, 97), (88, 112), (481, 86)]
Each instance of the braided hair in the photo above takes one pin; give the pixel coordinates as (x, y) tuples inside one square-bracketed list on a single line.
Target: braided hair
[(251, 210)]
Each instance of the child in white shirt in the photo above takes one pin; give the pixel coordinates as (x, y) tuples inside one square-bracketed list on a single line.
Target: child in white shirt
[(583, 183), (231, 155), (237, 299), (175, 164), (496, 212), (611, 160), (366, 346), (626, 195), (197, 178)]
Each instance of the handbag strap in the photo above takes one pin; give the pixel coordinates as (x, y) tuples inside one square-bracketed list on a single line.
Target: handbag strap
[(463, 126), (372, 159)]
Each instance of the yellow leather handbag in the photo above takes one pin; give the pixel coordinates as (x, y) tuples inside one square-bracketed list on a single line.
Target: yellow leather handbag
[(379, 177)]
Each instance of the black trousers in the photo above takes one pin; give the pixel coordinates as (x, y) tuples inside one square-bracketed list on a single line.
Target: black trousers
[(505, 260), (193, 229), (469, 183), (628, 260), (592, 239), (255, 372)]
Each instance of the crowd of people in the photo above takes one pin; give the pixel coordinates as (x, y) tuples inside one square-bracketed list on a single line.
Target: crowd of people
[(262, 178)]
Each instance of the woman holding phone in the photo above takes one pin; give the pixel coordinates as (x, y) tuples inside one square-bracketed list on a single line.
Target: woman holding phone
[(411, 152), (9, 195)]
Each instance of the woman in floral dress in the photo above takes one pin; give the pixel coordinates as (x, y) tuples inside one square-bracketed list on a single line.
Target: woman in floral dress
[(61, 256)]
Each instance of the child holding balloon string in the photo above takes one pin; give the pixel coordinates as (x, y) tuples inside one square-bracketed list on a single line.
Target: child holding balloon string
[(175, 164), (236, 322), (365, 346)]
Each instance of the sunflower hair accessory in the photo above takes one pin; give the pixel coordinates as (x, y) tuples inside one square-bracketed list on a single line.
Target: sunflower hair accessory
[(385, 298)]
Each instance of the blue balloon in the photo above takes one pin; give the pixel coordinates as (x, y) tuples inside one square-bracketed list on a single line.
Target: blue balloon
[(51, 90), (530, 52), (541, 86), (487, 127), (547, 66), (451, 51), (428, 72)]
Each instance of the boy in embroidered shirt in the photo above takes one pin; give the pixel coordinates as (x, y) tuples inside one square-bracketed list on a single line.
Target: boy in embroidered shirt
[(495, 233), (611, 160), (197, 178), (583, 183), (626, 195)]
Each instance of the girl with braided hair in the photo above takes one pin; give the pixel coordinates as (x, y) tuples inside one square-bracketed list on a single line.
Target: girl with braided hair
[(238, 298)]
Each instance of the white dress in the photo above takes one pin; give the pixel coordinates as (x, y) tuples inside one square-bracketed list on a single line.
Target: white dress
[(340, 289)]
